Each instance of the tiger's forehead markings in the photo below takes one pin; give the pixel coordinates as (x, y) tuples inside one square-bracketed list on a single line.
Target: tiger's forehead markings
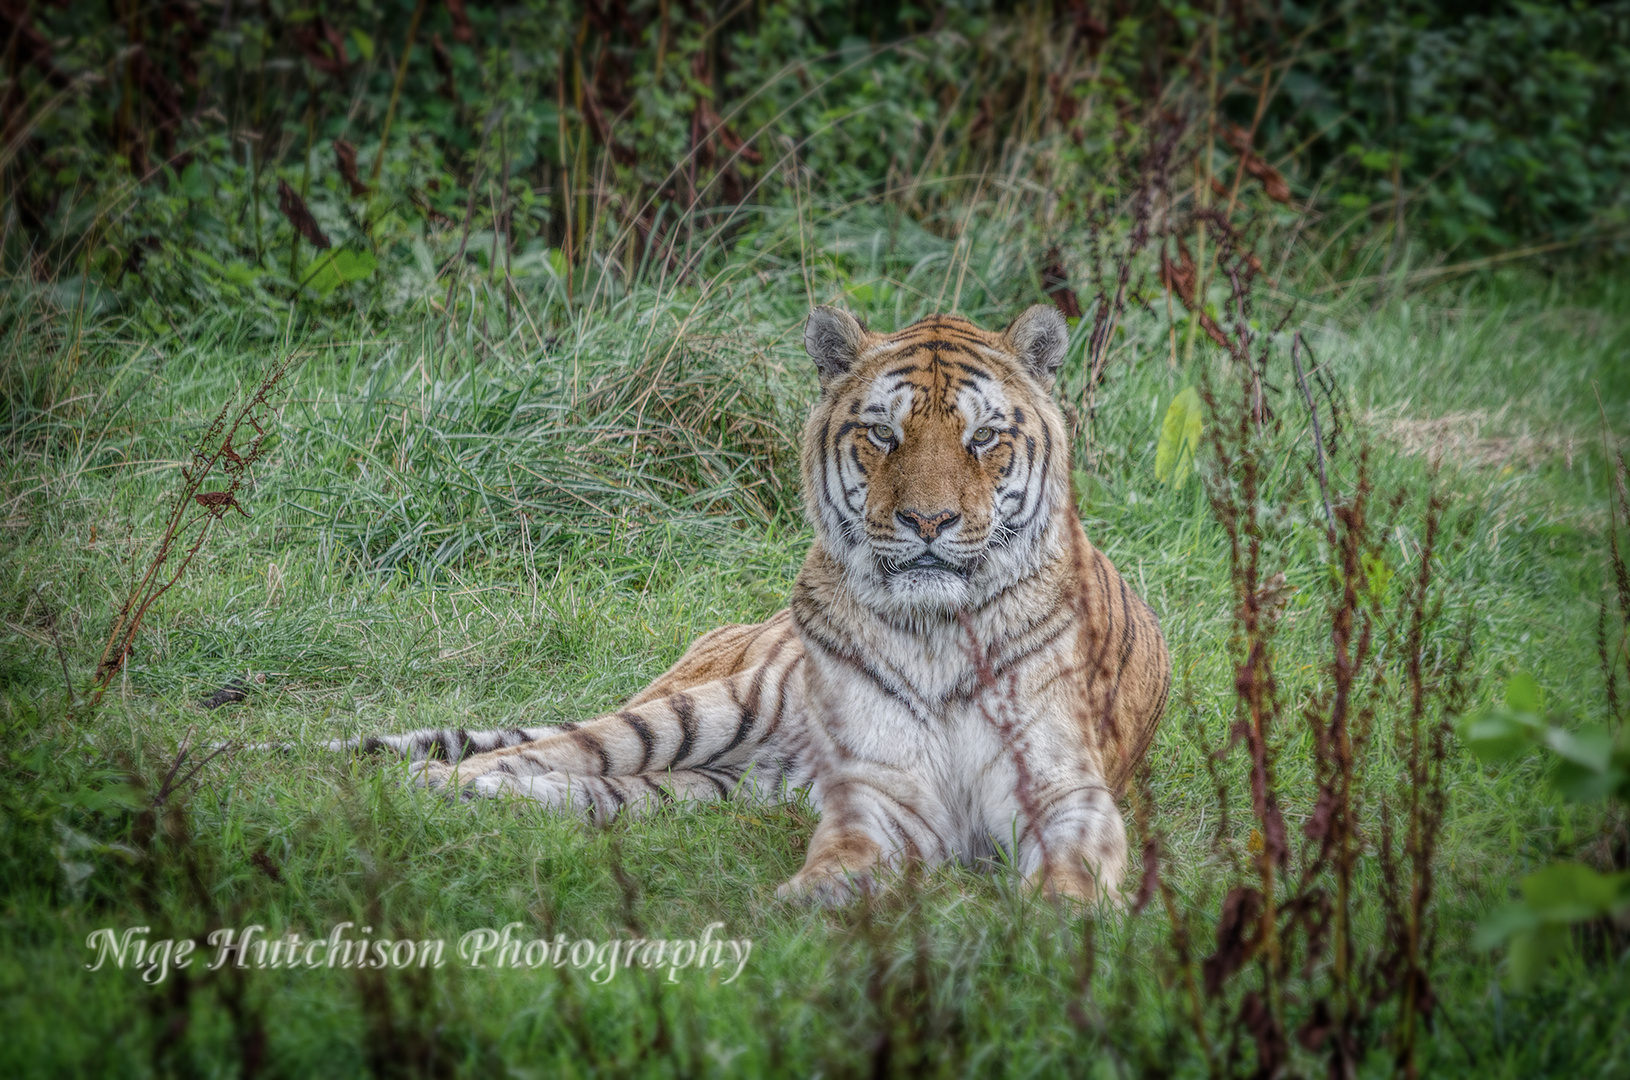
[(940, 384), (943, 365), (983, 404)]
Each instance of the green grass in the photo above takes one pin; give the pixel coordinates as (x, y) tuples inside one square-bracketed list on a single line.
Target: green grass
[(514, 530)]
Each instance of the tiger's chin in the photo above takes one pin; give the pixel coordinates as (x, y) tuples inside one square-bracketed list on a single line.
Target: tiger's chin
[(926, 585), (929, 588)]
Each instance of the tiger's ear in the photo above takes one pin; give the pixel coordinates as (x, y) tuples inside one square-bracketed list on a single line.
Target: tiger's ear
[(833, 339), (1039, 336)]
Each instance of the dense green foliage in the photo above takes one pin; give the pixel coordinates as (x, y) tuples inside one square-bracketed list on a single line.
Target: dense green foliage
[(1501, 123), (145, 157)]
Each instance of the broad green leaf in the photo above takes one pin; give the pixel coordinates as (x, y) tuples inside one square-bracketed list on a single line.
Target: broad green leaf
[(868, 292), (1477, 205), (341, 268), (1580, 784), (1501, 925), (355, 265), (1591, 749), (1501, 734), (194, 184), (1572, 892), (239, 273), (1532, 951), (557, 263), (1591, 766), (209, 262), (1378, 573), (1522, 694), (324, 279), (364, 44), (1379, 160), (1179, 438)]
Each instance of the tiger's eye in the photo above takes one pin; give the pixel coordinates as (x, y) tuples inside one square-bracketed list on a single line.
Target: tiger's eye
[(983, 435), (883, 433)]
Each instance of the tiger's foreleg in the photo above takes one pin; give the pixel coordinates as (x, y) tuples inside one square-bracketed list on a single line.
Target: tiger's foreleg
[(1072, 841), (871, 825), (1047, 803)]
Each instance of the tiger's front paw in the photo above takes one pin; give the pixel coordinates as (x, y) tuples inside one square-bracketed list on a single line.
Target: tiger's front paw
[(1078, 887), (842, 864), (828, 888)]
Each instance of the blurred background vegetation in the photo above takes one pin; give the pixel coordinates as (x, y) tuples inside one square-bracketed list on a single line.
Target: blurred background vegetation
[(393, 154)]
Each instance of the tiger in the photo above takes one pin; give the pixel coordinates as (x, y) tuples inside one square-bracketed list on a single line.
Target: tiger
[(960, 675)]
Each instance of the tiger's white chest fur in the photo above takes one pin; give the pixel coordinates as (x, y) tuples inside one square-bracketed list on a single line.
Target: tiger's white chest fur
[(956, 776), (959, 727)]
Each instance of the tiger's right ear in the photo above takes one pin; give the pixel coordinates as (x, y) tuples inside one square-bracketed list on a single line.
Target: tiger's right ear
[(833, 340)]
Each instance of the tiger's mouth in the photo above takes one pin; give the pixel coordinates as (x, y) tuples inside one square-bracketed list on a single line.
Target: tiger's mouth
[(929, 561)]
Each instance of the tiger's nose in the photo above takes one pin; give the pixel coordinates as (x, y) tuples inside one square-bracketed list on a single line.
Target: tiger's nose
[(928, 526)]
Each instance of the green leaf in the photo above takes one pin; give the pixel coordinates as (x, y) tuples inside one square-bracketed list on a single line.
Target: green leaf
[(355, 265), (1503, 924), (1579, 784), (1378, 573), (209, 262), (1378, 160), (341, 268), (871, 292), (364, 44), (1532, 951), (120, 796), (1522, 694), (1500, 734), (194, 184), (1591, 749), (1573, 892), (1536, 930), (1477, 205), (240, 273), (1179, 438), (1591, 766)]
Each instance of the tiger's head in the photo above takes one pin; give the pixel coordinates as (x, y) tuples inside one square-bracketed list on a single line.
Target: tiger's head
[(935, 459)]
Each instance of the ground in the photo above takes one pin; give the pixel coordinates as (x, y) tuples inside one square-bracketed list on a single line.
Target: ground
[(488, 534)]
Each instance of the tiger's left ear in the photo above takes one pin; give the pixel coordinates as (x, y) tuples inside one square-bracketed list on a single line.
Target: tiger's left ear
[(1039, 336), (833, 338)]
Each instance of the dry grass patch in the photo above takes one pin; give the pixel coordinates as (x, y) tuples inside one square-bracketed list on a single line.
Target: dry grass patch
[(1472, 439)]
